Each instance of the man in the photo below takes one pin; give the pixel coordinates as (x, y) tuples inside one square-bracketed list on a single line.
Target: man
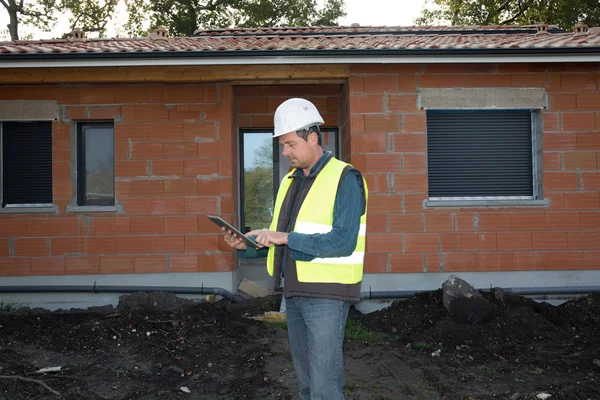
[(316, 241)]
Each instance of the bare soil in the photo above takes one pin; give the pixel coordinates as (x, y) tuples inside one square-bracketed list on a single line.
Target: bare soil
[(159, 346)]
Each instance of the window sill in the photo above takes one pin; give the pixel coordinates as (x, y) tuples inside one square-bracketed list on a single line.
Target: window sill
[(84, 209), (487, 203), (28, 210)]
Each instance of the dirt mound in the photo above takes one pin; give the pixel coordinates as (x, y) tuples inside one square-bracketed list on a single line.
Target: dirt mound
[(153, 346)]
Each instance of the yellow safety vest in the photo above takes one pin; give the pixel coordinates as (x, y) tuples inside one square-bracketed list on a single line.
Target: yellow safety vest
[(316, 216)]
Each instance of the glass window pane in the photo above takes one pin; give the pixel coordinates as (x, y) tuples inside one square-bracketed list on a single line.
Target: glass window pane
[(258, 180), (98, 165)]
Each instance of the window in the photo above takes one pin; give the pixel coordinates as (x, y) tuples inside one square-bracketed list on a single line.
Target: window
[(26, 164), (482, 155), (95, 164), (263, 167)]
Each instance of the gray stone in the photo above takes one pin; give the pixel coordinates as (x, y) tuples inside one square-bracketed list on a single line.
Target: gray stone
[(465, 304)]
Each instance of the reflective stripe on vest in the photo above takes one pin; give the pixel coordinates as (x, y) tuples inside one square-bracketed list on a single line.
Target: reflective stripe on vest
[(316, 216)]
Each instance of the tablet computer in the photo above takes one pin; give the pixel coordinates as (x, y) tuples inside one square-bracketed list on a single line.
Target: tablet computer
[(224, 224)]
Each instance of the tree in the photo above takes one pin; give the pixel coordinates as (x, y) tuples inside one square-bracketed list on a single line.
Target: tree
[(40, 14), (184, 17), (258, 188), (564, 13)]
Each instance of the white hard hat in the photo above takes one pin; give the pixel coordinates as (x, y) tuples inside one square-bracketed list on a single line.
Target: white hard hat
[(295, 114)]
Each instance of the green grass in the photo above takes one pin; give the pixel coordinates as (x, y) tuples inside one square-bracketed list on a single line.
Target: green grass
[(351, 386), (422, 346), (8, 306), (356, 331)]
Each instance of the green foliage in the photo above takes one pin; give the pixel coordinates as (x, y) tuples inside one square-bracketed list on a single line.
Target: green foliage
[(9, 306), (564, 13), (356, 331), (184, 17), (421, 346)]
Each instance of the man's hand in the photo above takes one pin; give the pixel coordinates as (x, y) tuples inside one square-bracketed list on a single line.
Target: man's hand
[(268, 238), (234, 240)]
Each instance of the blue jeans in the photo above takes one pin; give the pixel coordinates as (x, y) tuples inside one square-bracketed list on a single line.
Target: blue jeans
[(316, 333)]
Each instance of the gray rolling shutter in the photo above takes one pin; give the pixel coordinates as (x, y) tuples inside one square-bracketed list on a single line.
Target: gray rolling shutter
[(27, 163), (479, 153)]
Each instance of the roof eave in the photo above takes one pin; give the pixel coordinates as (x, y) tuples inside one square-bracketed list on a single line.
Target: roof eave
[(324, 56)]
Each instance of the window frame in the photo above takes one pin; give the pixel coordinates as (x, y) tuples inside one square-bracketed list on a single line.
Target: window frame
[(537, 198), (78, 164), (25, 209)]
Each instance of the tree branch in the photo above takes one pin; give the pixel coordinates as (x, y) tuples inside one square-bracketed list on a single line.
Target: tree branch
[(22, 378), (4, 4), (519, 14)]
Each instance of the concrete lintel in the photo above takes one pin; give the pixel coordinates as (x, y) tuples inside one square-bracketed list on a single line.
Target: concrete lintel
[(483, 98), (28, 110)]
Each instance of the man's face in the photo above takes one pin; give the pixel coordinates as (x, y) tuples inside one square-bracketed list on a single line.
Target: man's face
[(297, 150)]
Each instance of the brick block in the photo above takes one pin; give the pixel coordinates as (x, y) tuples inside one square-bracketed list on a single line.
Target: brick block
[(560, 141), (385, 203), (414, 163), (132, 94), (369, 103), (578, 82), (590, 220), (478, 241), (496, 261), (583, 240), (582, 201), (134, 245), (137, 206), (61, 170), (493, 221), (122, 150), (150, 113), (402, 103), (410, 143), (146, 188), (414, 123), (181, 224), (204, 205), (178, 150), (384, 243), (203, 130), (64, 245), (563, 220), (560, 260), (591, 259), (181, 187), (459, 262), (382, 123), (407, 83), (563, 101), (183, 263), (588, 101), (406, 183), (551, 161), (31, 247), (421, 242), (15, 266), (200, 243), (578, 121), (375, 263), (377, 223), (530, 261), (167, 206), (44, 227), (145, 150), (407, 263), (183, 94), (529, 80), (200, 167), (116, 265), (588, 141), (167, 167), (365, 143), (590, 180), (48, 266), (550, 241), (377, 183), (382, 162), (219, 262), (104, 112), (381, 83), (4, 248), (111, 226), (527, 221), (165, 131), (131, 169), (99, 245), (450, 242), (439, 222), (82, 265), (168, 243), (406, 223), (150, 264), (146, 225), (584, 160), (514, 241), (413, 202)]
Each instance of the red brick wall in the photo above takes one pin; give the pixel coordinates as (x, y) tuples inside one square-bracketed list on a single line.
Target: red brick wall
[(173, 154), (388, 143)]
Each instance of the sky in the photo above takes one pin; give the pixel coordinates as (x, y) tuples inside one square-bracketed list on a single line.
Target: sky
[(363, 12)]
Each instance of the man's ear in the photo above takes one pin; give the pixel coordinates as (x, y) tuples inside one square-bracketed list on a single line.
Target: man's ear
[(314, 138)]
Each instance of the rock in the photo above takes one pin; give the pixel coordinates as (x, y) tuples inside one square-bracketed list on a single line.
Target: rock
[(466, 305)]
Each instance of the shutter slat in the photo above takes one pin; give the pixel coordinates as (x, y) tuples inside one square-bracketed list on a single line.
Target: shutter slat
[(487, 153), (27, 163)]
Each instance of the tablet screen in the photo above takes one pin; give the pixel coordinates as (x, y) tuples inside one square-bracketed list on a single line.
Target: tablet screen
[(222, 223)]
